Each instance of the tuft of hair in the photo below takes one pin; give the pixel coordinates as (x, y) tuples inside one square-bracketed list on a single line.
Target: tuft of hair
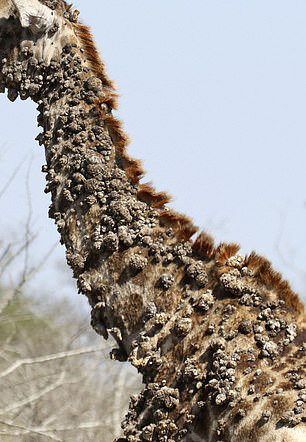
[(94, 60), (225, 251), (254, 261), (273, 280), (204, 245), (133, 168), (67, 6), (182, 224), (149, 195)]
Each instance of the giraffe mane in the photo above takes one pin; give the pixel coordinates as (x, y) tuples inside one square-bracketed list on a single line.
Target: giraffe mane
[(133, 167), (183, 225)]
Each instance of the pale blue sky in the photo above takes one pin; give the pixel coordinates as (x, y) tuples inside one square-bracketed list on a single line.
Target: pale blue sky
[(213, 96)]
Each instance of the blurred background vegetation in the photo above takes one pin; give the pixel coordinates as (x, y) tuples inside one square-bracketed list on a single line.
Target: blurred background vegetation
[(57, 381)]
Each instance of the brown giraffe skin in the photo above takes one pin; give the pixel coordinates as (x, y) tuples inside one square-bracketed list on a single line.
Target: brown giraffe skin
[(218, 337)]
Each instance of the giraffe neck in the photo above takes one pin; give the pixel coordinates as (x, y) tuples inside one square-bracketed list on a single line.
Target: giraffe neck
[(111, 225), (206, 327)]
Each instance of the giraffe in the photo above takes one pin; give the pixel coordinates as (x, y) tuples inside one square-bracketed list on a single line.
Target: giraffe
[(218, 337)]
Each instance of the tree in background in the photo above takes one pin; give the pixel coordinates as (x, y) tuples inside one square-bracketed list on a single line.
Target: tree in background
[(45, 393)]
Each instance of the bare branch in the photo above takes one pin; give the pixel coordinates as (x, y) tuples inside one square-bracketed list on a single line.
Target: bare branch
[(18, 252), (28, 223), (35, 396), (118, 393), (26, 430), (48, 358), (82, 426), (26, 275), (5, 251), (11, 178)]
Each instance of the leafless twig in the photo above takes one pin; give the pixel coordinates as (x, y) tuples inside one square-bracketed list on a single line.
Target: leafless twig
[(26, 430), (47, 358), (11, 178), (35, 396)]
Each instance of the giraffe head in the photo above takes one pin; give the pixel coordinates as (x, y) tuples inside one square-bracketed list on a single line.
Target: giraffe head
[(32, 33), (33, 15), (36, 18)]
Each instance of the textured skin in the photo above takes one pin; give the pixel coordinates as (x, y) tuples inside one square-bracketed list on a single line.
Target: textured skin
[(218, 337)]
